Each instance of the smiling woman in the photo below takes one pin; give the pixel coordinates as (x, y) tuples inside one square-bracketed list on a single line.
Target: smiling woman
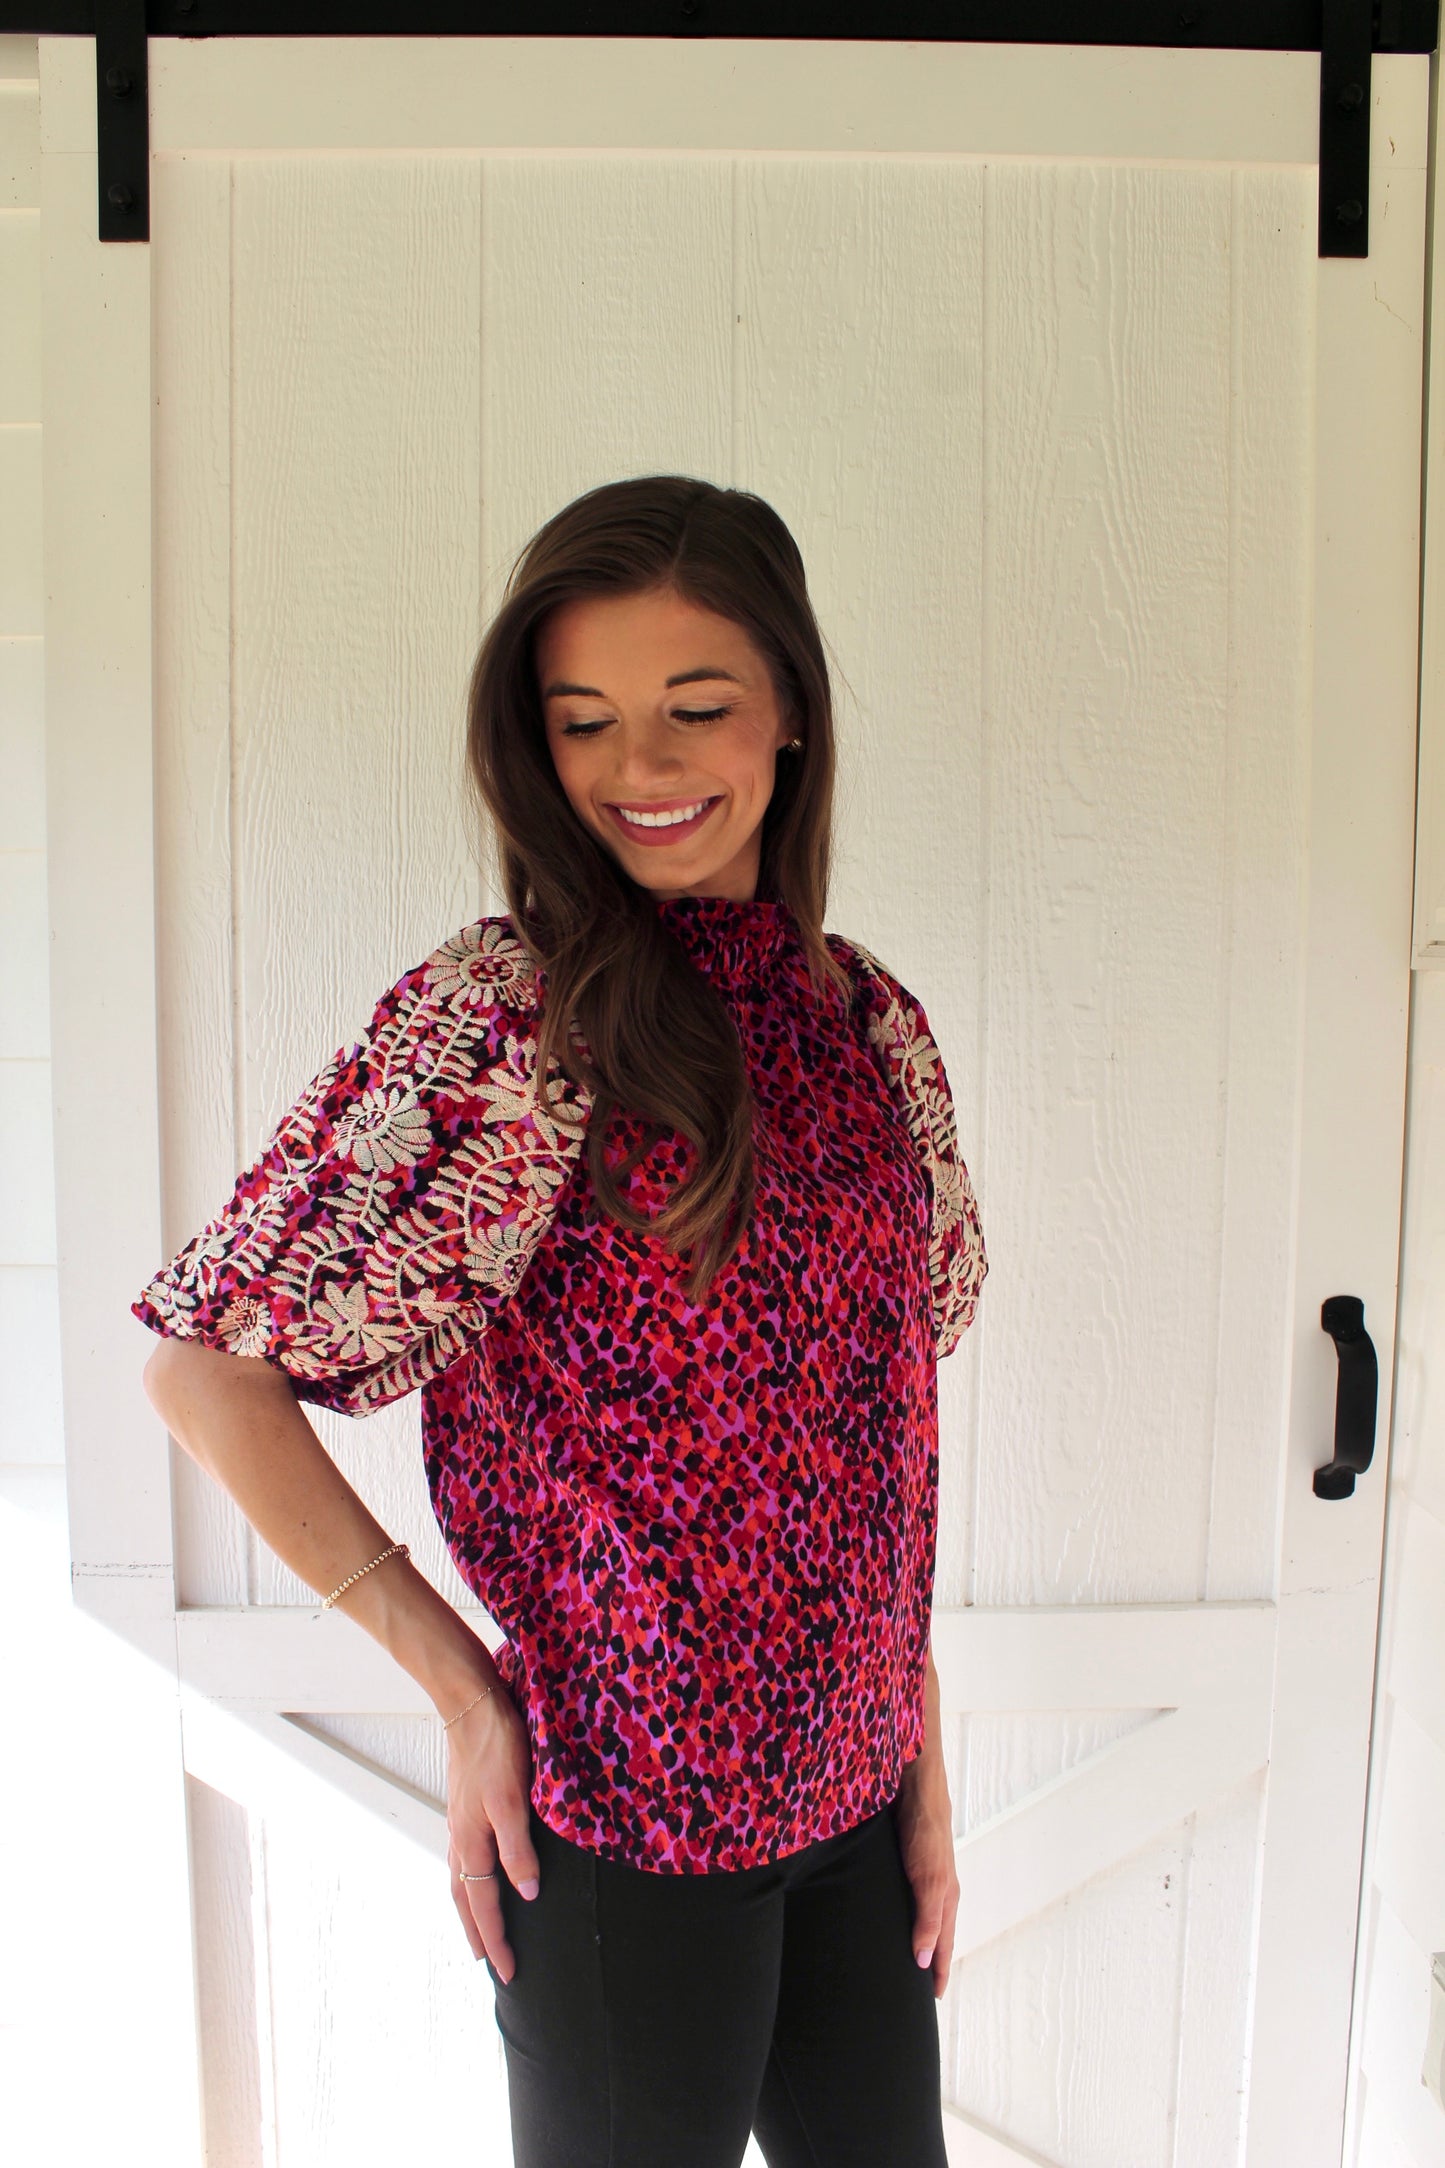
[(656, 653), (653, 772), (653, 1189)]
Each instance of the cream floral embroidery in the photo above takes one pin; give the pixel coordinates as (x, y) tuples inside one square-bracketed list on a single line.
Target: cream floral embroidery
[(246, 1326), (383, 1279), (909, 1059), (483, 962), (384, 1130), (345, 1318)]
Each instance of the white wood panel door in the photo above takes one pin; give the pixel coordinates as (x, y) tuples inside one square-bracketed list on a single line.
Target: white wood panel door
[(1108, 488)]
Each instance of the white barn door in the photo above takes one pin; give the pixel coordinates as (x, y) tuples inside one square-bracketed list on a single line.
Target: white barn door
[(1108, 488)]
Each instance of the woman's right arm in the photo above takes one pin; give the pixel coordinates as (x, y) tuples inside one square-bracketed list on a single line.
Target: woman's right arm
[(238, 1418)]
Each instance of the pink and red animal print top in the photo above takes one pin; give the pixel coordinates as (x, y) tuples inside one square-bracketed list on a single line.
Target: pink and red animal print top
[(706, 1529)]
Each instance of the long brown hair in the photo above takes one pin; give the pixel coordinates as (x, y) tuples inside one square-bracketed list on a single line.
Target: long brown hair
[(659, 1041)]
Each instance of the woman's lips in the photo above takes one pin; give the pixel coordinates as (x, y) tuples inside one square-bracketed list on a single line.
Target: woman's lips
[(670, 833)]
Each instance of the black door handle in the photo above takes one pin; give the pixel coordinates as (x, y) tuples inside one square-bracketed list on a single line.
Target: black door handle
[(1357, 1391)]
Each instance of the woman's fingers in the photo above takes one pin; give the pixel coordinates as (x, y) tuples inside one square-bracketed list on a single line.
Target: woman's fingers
[(469, 1925), (515, 1853), (489, 1784), (482, 1907), (478, 1903)]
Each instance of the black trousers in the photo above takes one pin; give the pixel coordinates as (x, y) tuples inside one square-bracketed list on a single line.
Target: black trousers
[(654, 2020)]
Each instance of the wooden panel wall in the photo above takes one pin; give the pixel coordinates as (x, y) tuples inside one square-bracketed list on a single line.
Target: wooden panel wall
[(30, 1433), (1393, 2117), (375, 377)]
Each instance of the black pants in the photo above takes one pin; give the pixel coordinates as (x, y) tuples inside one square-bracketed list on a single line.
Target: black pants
[(654, 2020)]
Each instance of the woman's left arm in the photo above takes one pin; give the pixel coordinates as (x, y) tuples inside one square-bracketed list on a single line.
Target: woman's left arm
[(925, 1828)]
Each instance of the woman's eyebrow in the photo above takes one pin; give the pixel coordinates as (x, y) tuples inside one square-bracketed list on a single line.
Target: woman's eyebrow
[(684, 677)]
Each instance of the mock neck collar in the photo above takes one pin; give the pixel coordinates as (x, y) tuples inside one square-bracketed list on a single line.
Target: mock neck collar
[(721, 935)]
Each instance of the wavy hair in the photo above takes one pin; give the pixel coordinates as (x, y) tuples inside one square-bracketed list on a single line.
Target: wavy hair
[(657, 1039)]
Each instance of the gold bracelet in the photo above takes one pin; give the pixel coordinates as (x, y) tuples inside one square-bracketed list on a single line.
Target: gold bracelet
[(447, 1722), (403, 1548)]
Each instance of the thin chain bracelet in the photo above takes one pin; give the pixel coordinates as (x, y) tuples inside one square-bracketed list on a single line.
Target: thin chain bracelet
[(403, 1548), (448, 1721)]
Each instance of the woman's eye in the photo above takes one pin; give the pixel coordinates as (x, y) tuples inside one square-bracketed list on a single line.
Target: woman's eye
[(683, 715)]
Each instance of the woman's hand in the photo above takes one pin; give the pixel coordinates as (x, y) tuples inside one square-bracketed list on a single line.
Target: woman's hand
[(925, 1834), (489, 1787)]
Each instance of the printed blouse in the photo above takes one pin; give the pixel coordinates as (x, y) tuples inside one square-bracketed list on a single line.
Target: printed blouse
[(706, 1529)]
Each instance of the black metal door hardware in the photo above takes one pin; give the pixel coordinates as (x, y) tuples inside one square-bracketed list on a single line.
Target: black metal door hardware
[(1357, 1392), (1345, 33)]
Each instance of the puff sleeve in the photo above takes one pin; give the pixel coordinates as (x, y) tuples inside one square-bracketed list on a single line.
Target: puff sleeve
[(398, 1203), (909, 1058)]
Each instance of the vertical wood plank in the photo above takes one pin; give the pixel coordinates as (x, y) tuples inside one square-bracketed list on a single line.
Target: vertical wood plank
[(96, 424), (191, 252), (220, 1843)]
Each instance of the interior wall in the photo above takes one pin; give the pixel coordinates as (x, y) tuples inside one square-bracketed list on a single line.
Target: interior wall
[(51, 1951), (30, 1429), (1393, 2120), (1403, 1910), (82, 1717)]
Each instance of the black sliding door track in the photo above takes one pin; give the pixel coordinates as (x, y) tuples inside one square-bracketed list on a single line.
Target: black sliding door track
[(1345, 33)]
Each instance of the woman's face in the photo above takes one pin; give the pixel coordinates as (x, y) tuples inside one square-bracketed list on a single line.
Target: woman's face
[(623, 736)]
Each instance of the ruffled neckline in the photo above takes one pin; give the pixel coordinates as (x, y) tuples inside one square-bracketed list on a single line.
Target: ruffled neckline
[(722, 935)]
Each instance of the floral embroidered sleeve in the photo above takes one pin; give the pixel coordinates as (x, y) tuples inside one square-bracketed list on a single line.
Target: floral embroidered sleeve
[(398, 1203), (908, 1056)]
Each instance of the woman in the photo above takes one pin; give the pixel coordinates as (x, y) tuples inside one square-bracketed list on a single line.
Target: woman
[(653, 1189)]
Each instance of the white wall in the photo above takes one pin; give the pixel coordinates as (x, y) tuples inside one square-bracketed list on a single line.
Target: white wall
[(1393, 2120), (82, 1719), (30, 1431), (64, 1958), (1396, 2121), (34, 1577)]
